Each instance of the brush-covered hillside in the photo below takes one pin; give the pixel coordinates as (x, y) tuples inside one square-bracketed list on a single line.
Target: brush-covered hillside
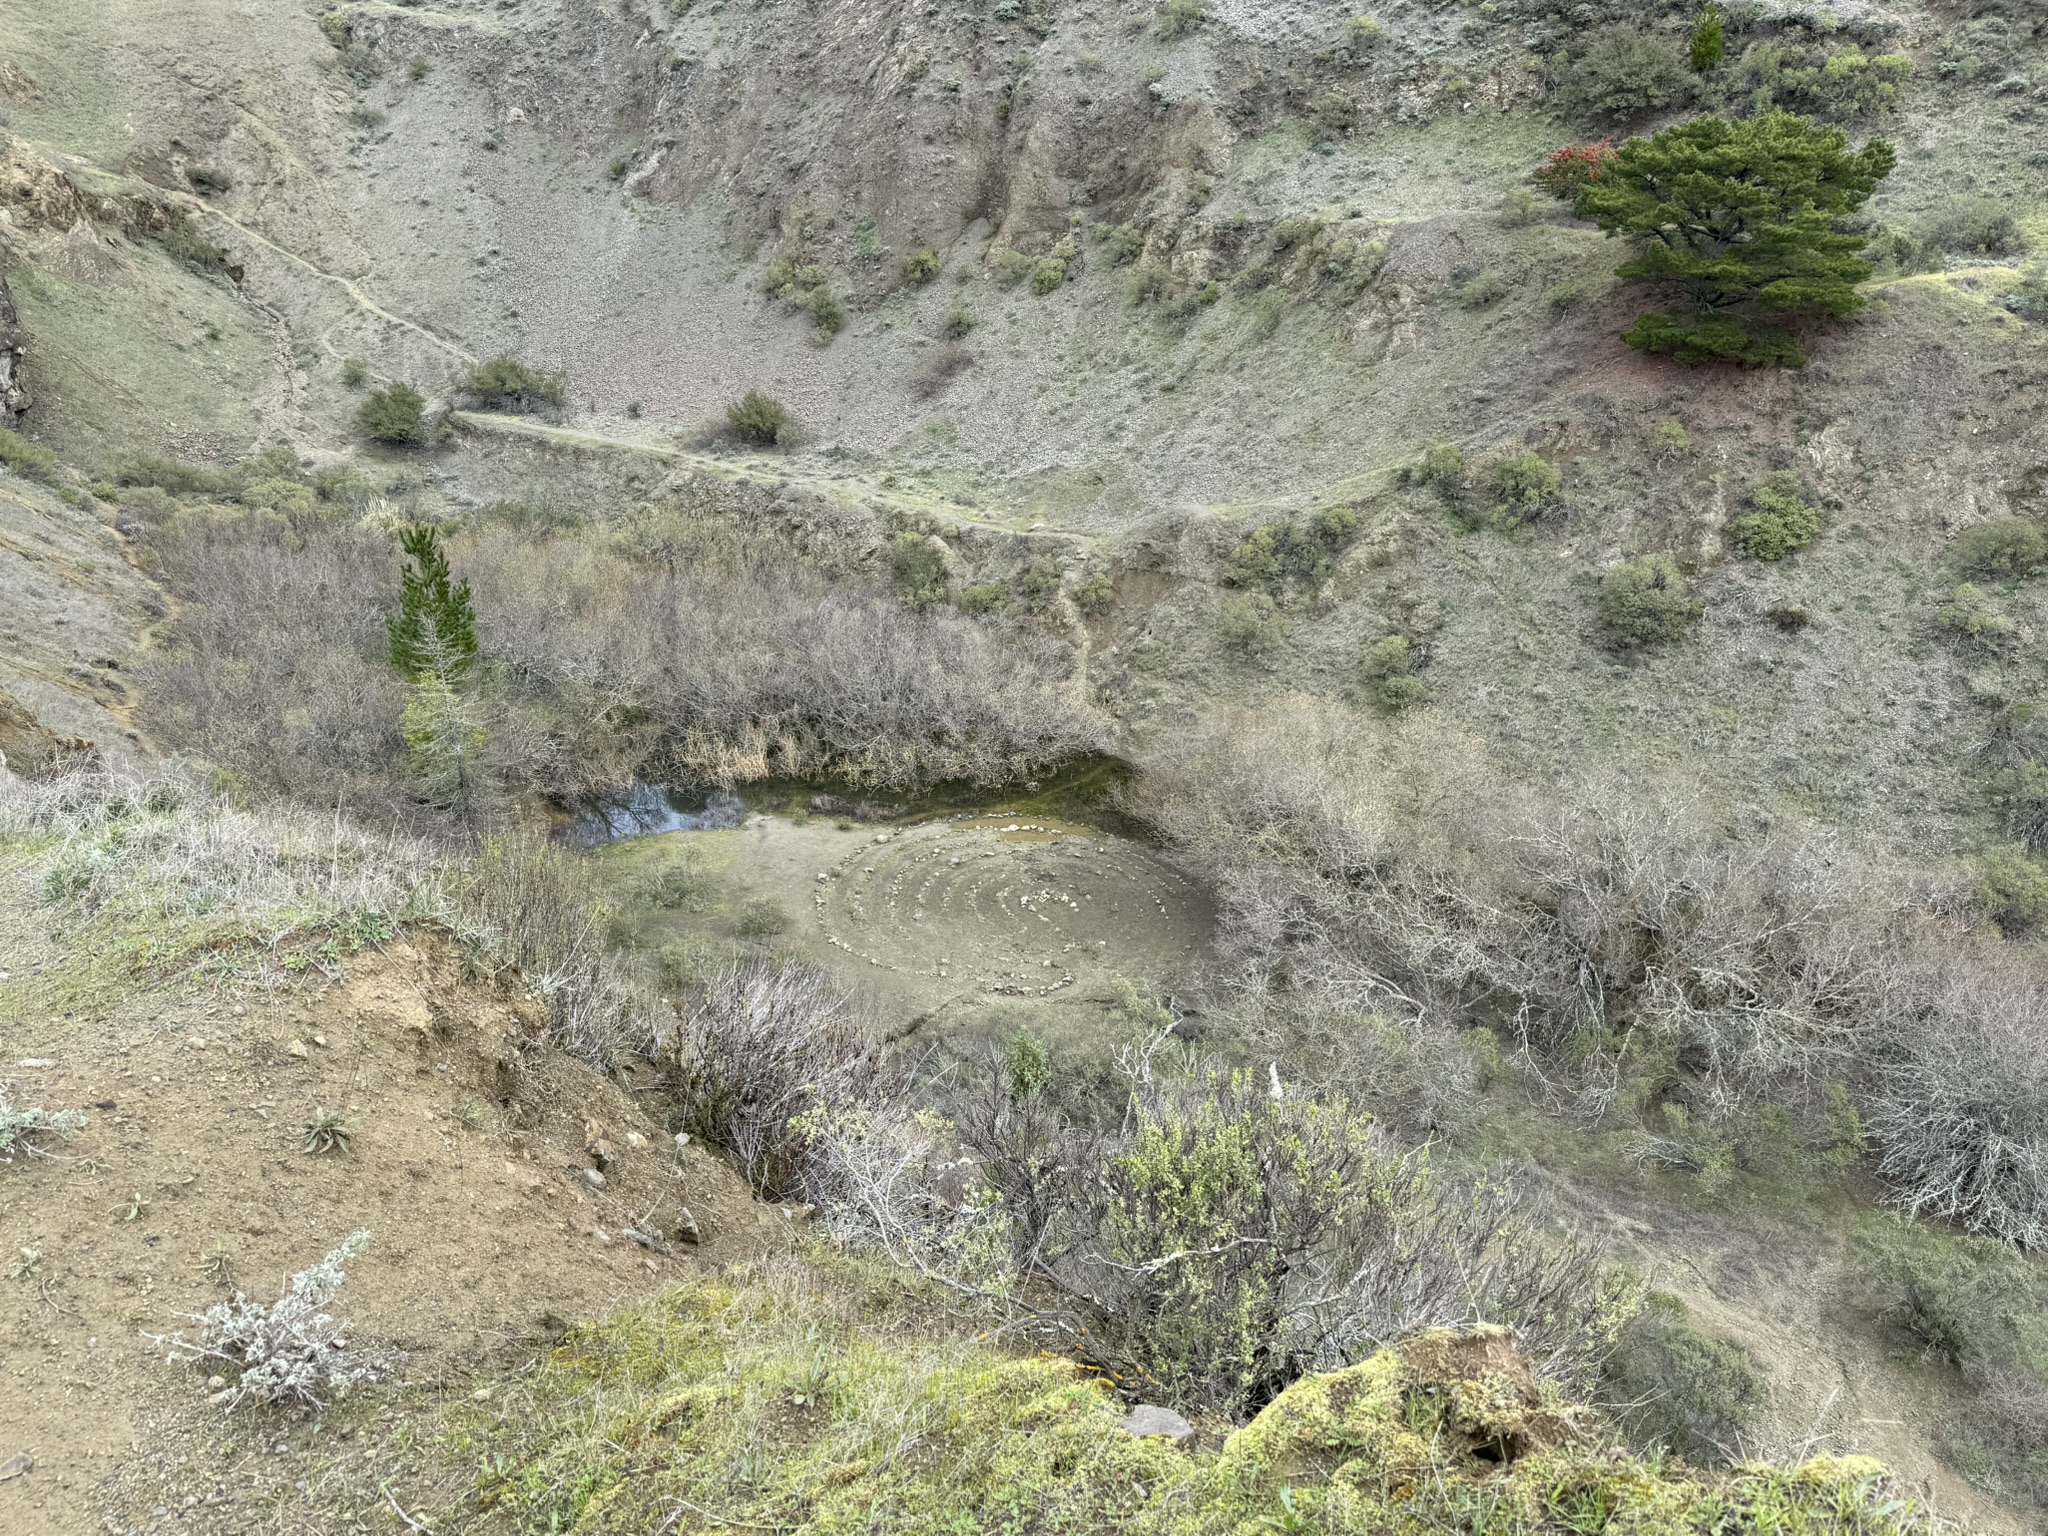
[(1219, 765)]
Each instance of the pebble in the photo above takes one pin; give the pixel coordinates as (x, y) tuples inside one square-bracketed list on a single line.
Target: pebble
[(593, 1178), (296, 1048)]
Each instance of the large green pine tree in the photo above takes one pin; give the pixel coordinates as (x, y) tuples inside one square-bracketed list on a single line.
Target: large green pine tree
[(1747, 221), (434, 631)]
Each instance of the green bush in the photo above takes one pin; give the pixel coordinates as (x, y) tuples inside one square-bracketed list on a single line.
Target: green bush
[(1283, 555), (1442, 465), (1709, 44), (1096, 594), (1482, 289), (1386, 672), (984, 598), (354, 373), (1566, 297), (1646, 602), (1039, 582), (1972, 618), (828, 315), (1010, 267), (508, 384), (1048, 276), (1523, 484), (1181, 17), (2013, 891), (920, 267), (1778, 522), (1359, 36), (393, 415), (171, 475), (1251, 625), (2009, 549), (1520, 207), (958, 322), (23, 456), (2019, 791), (1692, 1391), (1977, 226), (1852, 84), (762, 918), (1673, 441), (182, 242), (1624, 75), (758, 419), (917, 568)]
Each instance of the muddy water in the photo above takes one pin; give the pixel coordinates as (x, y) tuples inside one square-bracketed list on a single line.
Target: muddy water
[(941, 917)]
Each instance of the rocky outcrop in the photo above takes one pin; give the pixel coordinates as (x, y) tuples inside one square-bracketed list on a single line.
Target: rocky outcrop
[(32, 751), (14, 398)]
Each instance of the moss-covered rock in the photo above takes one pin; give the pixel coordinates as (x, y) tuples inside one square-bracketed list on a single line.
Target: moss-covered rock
[(773, 1403)]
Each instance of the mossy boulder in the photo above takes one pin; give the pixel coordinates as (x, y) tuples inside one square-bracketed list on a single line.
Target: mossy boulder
[(785, 1402)]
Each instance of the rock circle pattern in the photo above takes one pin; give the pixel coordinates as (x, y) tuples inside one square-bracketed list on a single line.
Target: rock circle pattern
[(1004, 906)]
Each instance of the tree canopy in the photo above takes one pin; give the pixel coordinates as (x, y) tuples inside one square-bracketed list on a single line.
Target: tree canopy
[(1746, 220), (433, 634)]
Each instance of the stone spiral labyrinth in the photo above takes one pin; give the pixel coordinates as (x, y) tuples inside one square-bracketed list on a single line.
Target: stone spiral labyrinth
[(1009, 907)]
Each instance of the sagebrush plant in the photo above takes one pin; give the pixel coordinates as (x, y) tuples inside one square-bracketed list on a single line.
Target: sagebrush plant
[(293, 1352), (24, 1127)]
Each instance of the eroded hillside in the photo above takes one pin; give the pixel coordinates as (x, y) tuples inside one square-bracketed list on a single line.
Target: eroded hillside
[(1625, 778)]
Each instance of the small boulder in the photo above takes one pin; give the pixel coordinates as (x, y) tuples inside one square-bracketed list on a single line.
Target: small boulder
[(1147, 1420)]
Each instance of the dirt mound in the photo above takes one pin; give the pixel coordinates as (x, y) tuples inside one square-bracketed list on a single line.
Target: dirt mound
[(470, 1163)]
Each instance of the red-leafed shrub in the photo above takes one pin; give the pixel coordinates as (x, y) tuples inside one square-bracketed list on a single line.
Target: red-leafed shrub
[(1565, 174)]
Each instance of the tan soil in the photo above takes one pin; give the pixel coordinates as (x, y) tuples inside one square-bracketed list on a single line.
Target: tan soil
[(467, 1167)]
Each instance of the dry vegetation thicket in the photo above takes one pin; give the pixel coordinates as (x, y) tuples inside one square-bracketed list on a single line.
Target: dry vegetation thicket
[(1383, 886), (1221, 1237), (660, 647)]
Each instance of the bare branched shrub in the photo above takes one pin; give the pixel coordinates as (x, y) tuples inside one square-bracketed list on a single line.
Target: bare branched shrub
[(1398, 875), (1961, 1111), (542, 911), (745, 665), (275, 664), (765, 1055), (291, 1352)]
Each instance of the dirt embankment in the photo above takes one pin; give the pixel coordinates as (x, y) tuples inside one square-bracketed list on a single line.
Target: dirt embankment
[(470, 1163)]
